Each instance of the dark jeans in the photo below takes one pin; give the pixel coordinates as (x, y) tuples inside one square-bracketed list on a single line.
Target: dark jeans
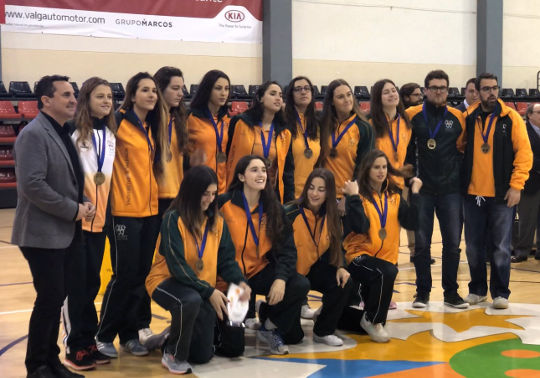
[(286, 314), (322, 278), (126, 305), (48, 268), (79, 312), (497, 217), (376, 278), (529, 223), (448, 209)]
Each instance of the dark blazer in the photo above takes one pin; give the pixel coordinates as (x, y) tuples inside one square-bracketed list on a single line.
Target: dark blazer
[(47, 188), (532, 185), (461, 107)]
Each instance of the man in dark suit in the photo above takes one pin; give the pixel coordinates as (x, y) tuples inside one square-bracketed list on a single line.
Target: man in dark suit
[(529, 206), (50, 205), (471, 95)]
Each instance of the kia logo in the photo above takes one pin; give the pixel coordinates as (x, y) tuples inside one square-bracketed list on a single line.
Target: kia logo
[(234, 16)]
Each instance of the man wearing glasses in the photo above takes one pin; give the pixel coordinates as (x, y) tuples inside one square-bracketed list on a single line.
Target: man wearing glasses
[(437, 132), (496, 165)]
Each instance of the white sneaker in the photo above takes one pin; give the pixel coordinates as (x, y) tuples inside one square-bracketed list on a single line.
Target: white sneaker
[(376, 331), (332, 340), (175, 367), (157, 341), (252, 323), (307, 312), (145, 334), (473, 299), (500, 303)]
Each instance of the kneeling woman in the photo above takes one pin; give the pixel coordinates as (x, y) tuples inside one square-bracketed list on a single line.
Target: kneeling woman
[(265, 252), (317, 235), (195, 247), (375, 211)]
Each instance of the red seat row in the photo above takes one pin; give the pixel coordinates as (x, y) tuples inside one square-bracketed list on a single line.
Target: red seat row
[(26, 109)]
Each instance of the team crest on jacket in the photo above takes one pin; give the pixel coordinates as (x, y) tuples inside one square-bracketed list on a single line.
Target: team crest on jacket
[(448, 123)]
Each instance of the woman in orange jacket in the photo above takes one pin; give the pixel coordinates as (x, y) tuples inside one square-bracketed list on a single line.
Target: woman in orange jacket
[(208, 125), (375, 213), (317, 236), (304, 126), (170, 82), (262, 131), (141, 154), (346, 135)]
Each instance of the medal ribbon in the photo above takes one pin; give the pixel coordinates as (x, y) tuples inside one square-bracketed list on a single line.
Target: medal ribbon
[(396, 142), (335, 141), (384, 213), (304, 130), (312, 234), (200, 251), (143, 129), (250, 219), (433, 133), (101, 154), (486, 135), (266, 146), (219, 135)]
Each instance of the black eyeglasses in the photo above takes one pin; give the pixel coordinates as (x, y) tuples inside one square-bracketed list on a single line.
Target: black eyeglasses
[(305, 88), (433, 88), (495, 88)]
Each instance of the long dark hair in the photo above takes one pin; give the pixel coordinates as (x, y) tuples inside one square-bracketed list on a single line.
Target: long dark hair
[(188, 201), (202, 97), (157, 118), (83, 119), (329, 208), (162, 78), (329, 118), (271, 205), (365, 187), (378, 117), (256, 110), (312, 124)]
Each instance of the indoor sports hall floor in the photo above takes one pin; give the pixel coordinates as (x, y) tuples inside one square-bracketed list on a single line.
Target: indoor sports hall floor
[(435, 342)]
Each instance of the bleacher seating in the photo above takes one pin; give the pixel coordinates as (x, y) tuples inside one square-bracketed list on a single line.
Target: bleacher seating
[(193, 90), (75, 89), (507, 92), (3, 92), (361, 92), (238, 107), (252, 90), (238, 92), (118, 91), (7, 110), (20, 89), (28, 109)]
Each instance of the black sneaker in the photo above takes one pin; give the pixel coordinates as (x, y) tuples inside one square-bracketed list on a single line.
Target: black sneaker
[(421, 300), (454, 300), (79, 360), (98, 357), (60, 371)]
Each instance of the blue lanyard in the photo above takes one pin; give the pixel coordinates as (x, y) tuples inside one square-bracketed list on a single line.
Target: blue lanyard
[(396, 142), (433, 133), (170, 131), (250, 219), (486, 135), (200, 251), (143, 129), (101, 154), (304, 130), (266, 145), (312, 234), (219, 134), (382, 214), (335, 141)]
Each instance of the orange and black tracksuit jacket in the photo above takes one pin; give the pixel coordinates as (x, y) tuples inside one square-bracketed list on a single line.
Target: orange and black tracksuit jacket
[(397, 159), (352, 148), (251, 262), (439, 169), (177, 256), (173, 171), (308, 252), (361, 225), (508, 161), (202, 136), (134, 186), (243, 131), (303, 166)]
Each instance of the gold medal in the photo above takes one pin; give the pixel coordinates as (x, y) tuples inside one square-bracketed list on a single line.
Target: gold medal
[(199, 265), (308, 153), (382, 233), (485, 148), (431, 143), (99, 178), (221, 157)]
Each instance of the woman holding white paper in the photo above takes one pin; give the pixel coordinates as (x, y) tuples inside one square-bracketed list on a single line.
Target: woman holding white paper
[(195, 247)]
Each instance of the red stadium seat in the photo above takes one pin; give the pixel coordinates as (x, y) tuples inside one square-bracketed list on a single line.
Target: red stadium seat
[(28, 109), (238, 107), (365, 106), (521, 107), (318, 106), (7, 110), (510, 105)]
